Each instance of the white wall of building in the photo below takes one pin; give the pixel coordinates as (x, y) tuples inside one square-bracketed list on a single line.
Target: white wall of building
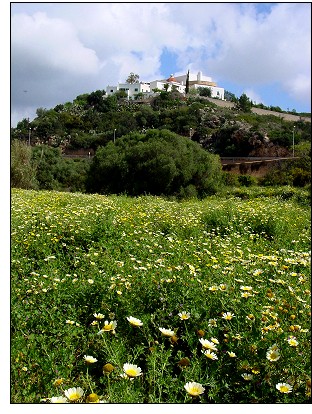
[(131, 89), (216, 92), (147, 87), (160, 84), (193, 77)]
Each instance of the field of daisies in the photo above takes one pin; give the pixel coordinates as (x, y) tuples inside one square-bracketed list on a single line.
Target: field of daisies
[(145, 300)]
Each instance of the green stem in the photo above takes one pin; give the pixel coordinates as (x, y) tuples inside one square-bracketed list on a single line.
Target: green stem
[(89, 380)]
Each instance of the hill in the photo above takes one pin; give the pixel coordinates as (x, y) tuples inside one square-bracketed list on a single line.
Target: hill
[(223, 128)]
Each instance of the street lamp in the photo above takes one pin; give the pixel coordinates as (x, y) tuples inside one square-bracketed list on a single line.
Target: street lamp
[(29, 132), (294, 140), (114, 135)]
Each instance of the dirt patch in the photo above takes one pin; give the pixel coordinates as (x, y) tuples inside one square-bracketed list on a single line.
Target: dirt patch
[(259, 111)]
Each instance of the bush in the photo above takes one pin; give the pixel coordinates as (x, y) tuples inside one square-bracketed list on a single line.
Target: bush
[(247, 180), (159, 163), (54, 172), (23, 170)]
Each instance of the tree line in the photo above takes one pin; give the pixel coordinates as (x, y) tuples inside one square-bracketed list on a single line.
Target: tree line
[(117, 130)]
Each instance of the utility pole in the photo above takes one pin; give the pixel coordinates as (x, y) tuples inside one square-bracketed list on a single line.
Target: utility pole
[(114, 135), (294, 141), (29, 131)]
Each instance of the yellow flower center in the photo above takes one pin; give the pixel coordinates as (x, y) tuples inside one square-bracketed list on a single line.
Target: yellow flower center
[(194, 391), (74, 396), (131, 372), (283, 388)]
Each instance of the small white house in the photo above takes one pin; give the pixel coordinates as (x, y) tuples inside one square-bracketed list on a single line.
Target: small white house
[(131, 89)]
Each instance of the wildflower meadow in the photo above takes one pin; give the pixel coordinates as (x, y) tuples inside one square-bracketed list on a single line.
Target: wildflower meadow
[(150, 300)]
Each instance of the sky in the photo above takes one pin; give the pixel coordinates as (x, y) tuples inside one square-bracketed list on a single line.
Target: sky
[(61, 50)]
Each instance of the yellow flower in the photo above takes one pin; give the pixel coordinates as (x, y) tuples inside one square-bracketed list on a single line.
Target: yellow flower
[(134, 321), (208, 344), (246, 294), (231, 354), (273, 355), (132, 371), (74, 394), (108, 368), (292, 341), (58, 400), (194, 388), (184, 362), (246, 288), (209, 354), (184, 315), (92, 398), (98, 316), (166, 332), (284, 388), (58, 381), (247, 377), (212, 322), (90, 359), (228, 316), (108, 326)]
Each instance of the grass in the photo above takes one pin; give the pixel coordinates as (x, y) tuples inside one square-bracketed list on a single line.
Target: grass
[(80, 260)]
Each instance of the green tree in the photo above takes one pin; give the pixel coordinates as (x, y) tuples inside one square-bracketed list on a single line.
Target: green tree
[(132, 78), (96, 100), (23, 170), (229, 96), (187, 83), (244, 104), (49, 163), (205, 92), (158, 162)]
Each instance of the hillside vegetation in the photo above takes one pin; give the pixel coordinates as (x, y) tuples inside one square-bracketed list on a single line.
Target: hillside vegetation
[(95, 121)]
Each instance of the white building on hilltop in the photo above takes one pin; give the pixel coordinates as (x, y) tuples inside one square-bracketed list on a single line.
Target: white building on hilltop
[(169, 84), (177, 83), (200, 81), (131, 89)]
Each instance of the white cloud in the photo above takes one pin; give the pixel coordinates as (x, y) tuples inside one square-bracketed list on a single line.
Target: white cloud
[(60, 50), (253, 96), (52, 43), (266, 48), (300, 88)]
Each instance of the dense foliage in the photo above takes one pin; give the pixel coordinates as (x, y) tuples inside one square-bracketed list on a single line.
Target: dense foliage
[(91, 119), (216, 292), (158, 162), (94, 121), (43, 167)]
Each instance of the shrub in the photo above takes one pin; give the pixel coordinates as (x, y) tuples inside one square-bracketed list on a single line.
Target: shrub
[(23, 170), (247, 180), (158, 162)]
